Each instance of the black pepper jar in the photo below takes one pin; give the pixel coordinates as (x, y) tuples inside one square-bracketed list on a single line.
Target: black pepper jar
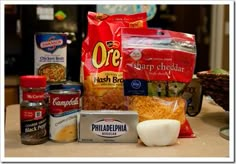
[(33, 111)]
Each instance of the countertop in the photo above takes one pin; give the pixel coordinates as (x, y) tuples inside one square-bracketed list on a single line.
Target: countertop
[(206, 126)]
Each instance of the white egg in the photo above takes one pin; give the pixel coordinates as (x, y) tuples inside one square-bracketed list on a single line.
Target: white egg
[(161, 132)]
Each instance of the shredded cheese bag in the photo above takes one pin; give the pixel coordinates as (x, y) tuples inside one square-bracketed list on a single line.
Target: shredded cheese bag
[(101, 61), (157, 66), (150, 107)]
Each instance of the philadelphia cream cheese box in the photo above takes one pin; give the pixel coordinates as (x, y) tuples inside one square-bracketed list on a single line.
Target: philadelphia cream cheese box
[(107, 126)]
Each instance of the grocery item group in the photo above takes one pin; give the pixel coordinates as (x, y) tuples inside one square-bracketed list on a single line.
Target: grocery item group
[(132, 79)]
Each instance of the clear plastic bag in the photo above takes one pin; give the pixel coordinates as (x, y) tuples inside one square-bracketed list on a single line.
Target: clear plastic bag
[(157, 66)]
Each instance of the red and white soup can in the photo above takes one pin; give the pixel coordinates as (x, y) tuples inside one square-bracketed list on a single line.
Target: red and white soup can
[(64, 106)]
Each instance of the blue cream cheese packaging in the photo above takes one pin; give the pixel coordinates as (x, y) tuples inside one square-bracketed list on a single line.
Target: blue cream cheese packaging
[(107, 126)]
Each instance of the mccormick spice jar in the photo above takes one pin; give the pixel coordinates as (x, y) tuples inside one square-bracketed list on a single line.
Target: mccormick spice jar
[(33, 112), (63, 108)]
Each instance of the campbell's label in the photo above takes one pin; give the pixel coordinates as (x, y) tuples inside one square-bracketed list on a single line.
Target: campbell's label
[(63, 102), (50, 56), (72, 102), (109, 128)]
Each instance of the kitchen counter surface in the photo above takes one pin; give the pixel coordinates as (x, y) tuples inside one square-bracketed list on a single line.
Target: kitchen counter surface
[(206, 126)]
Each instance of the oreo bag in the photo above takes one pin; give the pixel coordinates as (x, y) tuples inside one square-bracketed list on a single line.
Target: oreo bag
[(101, 62), (157, 66)]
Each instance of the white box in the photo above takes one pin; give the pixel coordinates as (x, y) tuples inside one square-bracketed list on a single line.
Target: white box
[(107, 126)]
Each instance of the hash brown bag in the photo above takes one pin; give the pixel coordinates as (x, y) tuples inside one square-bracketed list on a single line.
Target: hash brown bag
[(101, 62)]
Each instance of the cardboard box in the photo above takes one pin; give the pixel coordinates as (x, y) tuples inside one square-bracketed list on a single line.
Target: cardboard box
[(107, 126)]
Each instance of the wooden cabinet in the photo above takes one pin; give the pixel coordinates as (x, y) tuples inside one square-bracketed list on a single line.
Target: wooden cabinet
[(11, 90), (10, 9), (11, 95)]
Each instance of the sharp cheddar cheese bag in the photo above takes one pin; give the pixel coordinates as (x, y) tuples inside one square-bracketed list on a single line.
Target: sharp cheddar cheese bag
[(158, 65), (101, 60)]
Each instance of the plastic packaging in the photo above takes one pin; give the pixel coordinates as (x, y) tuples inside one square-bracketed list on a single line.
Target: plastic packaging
[(157, 66)]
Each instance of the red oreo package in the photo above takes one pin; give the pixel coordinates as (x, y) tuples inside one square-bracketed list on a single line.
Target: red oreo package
[(101, 62)]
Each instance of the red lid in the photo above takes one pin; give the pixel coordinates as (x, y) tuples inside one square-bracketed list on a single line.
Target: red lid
[(32, 81)]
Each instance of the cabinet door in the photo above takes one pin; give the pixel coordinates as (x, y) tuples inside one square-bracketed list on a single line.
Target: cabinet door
[(196, 19), (11, 95)]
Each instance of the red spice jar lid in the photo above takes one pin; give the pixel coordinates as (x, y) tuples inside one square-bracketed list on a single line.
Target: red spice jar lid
[(33, 81)]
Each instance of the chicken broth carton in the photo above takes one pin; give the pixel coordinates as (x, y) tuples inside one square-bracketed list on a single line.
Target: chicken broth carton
[(50, 56), (107, 126)]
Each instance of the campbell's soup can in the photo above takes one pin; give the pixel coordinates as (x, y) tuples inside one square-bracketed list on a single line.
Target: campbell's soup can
[(50, 87), (50, 56), (63, 110), (74, 86)]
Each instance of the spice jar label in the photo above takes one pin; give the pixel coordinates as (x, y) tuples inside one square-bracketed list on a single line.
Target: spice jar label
[(33, 96), (29, 114)]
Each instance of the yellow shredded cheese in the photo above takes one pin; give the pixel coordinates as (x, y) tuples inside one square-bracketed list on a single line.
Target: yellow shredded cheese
[(150, 107)]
